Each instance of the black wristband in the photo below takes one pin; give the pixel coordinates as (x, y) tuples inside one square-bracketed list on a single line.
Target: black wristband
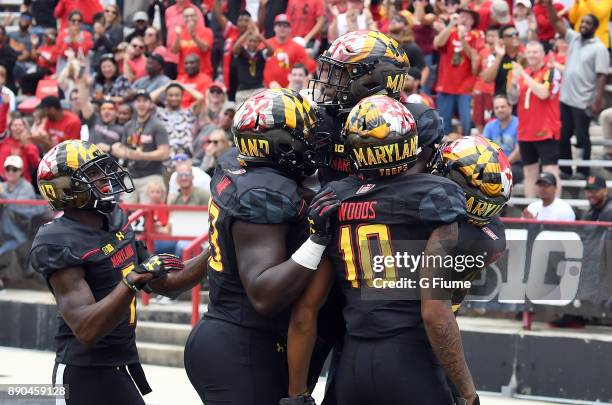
[(130, 284)]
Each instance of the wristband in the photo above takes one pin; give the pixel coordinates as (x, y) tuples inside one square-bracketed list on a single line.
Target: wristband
[(309, 254)]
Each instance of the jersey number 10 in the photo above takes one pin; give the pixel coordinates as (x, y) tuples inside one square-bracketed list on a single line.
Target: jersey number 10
[(359, 239)]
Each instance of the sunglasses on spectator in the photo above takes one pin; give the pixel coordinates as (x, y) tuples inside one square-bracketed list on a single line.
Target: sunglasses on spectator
[(184, 175), (12, 169), (137, 46), (76, 21), (216, 91), (511, 34), (213, 141), (107, 107)]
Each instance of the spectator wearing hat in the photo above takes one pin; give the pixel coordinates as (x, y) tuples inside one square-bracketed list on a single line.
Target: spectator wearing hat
[(500, 14), (155, 77), (250, 62), (140, 23), (87, 8), (548, 207), (193, 79), (458, 44), (108, 81), (192, 37), (482, 95), (535, 91), (18, 143), (600, 203), (601, 10), (22, 41), (507, 52), (287, 53), (135, 63), (524, 21), (356, 17), (231, 34), (412, 89), (143, 146), (503, 130), (15, 219), (583, 85), (59, 124), (103, 128)]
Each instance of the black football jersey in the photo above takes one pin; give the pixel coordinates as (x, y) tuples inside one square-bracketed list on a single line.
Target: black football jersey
[(487, 242), (105, 255), (259, 195), (382, 218), (337, 166)]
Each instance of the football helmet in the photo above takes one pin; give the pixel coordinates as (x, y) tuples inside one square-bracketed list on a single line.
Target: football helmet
[(482, 169), (77, 174), (277, 127), (359, 64), (380, 136)]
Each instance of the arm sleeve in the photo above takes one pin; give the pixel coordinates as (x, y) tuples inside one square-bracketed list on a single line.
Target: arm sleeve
[(602, 61)]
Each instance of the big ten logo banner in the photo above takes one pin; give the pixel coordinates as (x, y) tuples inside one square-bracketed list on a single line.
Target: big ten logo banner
[(549, 265)]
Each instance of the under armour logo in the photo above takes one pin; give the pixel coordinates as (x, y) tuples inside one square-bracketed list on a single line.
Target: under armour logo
[(120, 235), (279, 348), (311, 228), (152, 263)]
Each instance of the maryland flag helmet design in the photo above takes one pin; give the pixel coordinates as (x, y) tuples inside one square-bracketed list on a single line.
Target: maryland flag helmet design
[(277, 127), (380, 136), (77, 174), (482, 169), (359, 64)]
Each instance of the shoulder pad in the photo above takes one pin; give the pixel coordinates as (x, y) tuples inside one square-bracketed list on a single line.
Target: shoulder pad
[(47, 259), (429, 123), (441, 200), (259, 195)]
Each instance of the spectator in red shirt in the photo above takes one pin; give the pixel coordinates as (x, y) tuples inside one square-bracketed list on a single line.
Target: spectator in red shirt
[(19, 143), (546, 32), (535, 91), (74, 37), (193, 38), (87, 8), (483, 8), (135, 64), (193, 79), (307, 18), (60, 124), (231, 33), (458, 44), (46, 53), (287, 53), (173, 18)]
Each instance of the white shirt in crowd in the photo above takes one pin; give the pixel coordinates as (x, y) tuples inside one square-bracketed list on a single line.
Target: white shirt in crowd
[(201, 180), (559, 210)]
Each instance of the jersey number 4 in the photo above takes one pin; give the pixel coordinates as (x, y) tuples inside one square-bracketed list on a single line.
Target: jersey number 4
[(356, 244)]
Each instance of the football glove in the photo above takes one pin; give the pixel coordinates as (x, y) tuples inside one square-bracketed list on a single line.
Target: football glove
[(304, 399), (321, 208), (160, 265)]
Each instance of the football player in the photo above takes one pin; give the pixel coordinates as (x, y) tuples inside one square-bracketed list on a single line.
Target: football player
[(482, 170), (94, 268), (357, 65), (236, 353), (393, 348)]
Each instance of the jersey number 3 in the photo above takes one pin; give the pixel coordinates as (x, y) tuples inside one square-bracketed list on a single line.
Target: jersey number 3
[(215, 252), (361, 239)]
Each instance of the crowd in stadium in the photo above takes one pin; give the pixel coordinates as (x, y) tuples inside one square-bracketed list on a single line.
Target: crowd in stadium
[(156, 83)]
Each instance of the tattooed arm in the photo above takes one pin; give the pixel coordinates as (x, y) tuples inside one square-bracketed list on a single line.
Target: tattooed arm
[(440, 324)]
